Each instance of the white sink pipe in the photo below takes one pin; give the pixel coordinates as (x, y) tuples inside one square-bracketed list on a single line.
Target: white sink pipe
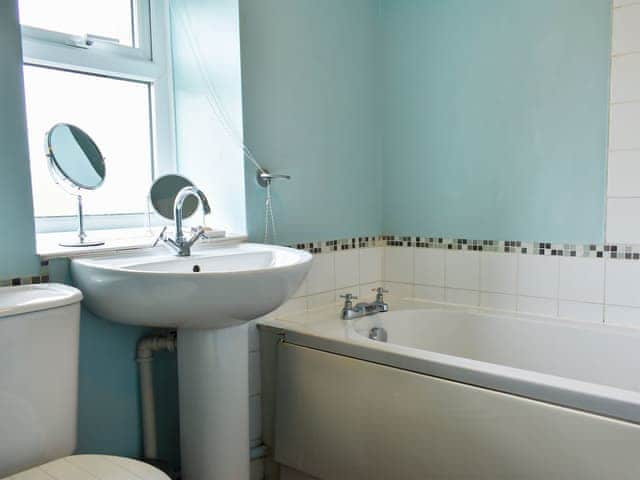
[(144, 357)]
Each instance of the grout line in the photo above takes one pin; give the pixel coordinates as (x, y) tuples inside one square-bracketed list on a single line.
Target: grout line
[(604, 292), (625, 5), (609, 123), (625, 102), (615, 150), (558, 290)]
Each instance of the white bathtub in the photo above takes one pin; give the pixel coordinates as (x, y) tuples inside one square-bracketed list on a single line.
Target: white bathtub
[(592, 367), (454, 393)]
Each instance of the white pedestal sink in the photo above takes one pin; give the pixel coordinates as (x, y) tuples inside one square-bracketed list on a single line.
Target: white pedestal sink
[(208, 297)]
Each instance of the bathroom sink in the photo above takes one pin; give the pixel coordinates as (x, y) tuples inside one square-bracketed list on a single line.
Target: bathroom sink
[(215, 287)]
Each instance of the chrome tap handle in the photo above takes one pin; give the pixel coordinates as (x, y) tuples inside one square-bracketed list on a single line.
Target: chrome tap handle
[(159, 237), (380, 291), (197, 233), (348, 297)]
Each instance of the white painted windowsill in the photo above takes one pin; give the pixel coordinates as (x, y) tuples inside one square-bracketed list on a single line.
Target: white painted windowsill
[(48, 244)]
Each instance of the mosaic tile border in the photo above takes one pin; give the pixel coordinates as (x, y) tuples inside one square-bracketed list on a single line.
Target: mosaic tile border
[(326, 246), (35, 279), (613, 251)]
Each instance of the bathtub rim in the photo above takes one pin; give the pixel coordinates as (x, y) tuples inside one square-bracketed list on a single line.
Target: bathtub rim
[(320, 329)]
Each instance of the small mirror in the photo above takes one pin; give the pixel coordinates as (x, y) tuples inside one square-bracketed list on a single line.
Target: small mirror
[(75, 156), (76, 164), (163, 195)]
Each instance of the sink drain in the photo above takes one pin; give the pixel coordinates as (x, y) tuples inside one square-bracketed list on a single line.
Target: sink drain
[(196, 268)]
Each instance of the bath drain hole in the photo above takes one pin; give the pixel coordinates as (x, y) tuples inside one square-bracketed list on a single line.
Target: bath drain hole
[(196, 268)]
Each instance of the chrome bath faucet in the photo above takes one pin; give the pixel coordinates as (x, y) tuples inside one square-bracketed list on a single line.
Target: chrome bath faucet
[(349, 311)]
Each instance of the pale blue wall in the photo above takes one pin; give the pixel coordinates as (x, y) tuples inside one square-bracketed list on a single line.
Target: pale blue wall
[(17, 240), (309, 73), (207, 154), (494, 124)]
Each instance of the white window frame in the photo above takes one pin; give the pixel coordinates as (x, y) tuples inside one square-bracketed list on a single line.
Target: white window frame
[(148, 61)]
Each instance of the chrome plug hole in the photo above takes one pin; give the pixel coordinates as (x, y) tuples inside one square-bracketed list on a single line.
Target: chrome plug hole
[(378, 334)]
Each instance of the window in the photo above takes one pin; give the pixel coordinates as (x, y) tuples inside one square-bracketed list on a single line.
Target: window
[(107, 18), (90, 63), (118, 121)]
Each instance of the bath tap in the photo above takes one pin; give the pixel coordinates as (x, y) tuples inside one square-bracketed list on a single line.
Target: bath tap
[(349, 311), (181, 245)]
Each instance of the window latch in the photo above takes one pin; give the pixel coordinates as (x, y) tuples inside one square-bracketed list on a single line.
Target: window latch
[(89, 40)]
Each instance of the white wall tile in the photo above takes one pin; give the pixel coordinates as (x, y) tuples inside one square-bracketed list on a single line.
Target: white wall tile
[(302, 289), (498, 272), (625, 316), (321, 300), (347, 265), (429, 266), (618, 3), (623, 220), (538, 276), (321, 277), (367, 289), (625, 118), (625, 78), (623, 283), (581, 279), (254, 338), (580, 311), (462, 269), (255, 418), (398, 264), (462, 297), (287, 473), (257, 469), (626, 35), (399, 290), (424, 292), (539, 306), (254, 373), (371, 264), (295, 305), (624, 173), (499, 301)]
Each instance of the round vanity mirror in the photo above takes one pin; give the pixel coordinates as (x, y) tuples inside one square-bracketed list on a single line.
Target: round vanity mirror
[(76, 164), (163, 195), (75, 157)]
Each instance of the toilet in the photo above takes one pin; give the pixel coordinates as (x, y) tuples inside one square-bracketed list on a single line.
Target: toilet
[(39, 337)]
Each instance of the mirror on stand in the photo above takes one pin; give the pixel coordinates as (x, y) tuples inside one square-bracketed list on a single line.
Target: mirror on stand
[(76, 164), (163, 195)]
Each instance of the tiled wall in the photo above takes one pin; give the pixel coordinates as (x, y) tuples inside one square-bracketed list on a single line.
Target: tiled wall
[(593, 286), (578, 288), (623, 192)]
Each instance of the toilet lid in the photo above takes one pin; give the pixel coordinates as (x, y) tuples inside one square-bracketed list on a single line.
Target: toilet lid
[(92, 467)]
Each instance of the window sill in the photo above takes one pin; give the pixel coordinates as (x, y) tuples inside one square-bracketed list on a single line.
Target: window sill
[(47, 244)]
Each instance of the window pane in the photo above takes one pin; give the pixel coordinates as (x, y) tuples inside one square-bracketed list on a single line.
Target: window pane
[(115, 113), (107, 18)]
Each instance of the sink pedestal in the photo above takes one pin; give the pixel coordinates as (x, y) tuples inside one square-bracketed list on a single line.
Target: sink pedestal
[(213, 375)]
